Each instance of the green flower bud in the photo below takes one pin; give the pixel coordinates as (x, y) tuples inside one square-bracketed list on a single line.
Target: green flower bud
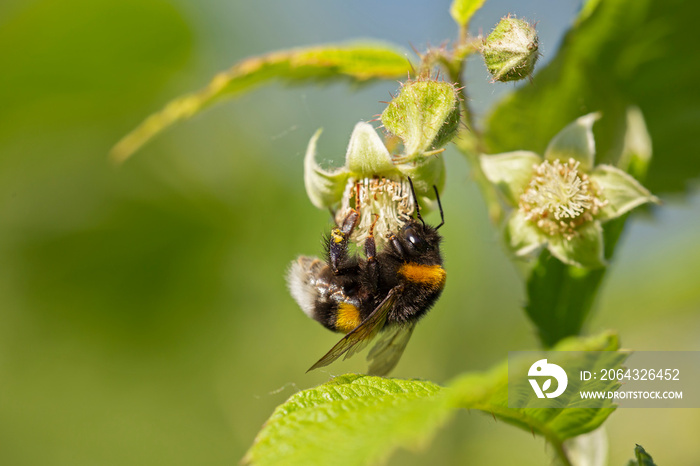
[(425, 115), (510, 51)]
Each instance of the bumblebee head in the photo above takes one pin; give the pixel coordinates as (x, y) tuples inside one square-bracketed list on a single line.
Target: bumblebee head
[(418, 239)]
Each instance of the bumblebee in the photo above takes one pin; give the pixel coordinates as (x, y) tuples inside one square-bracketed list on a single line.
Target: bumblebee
[(383, 293)]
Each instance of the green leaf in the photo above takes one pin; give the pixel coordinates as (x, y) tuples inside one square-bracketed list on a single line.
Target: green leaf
[(559, 297), (324, 188), (621, 53), (351, 420), (488, 392), (622, 192), (510, 172), (641, 458), (576, 142), (359, 420), (357, 62), (463, 10), (585, 249)]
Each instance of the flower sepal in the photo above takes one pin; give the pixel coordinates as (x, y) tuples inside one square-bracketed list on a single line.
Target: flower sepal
[(324, 187), (367, 155), (522, 237), (621, 191), (575, 141), (585, 249), (511, 172)]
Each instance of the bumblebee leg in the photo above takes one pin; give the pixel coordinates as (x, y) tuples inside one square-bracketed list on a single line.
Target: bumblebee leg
[(338, 242), (371, 254)]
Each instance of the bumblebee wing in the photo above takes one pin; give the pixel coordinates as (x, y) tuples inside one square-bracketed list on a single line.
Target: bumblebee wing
[(363, 333), (386, 353)]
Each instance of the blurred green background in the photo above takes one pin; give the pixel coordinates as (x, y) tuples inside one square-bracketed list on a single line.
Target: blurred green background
[(144, 317)]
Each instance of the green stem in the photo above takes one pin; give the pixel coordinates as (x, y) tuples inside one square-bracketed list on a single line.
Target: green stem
[(470, 141), (561, 453)]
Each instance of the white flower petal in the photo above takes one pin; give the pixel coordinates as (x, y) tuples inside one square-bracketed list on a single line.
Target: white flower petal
[(510, 172), (576, 142), (622, 192), (324, 188)]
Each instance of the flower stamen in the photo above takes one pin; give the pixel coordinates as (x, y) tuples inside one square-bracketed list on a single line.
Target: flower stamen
[(390, 199), (560, 198)]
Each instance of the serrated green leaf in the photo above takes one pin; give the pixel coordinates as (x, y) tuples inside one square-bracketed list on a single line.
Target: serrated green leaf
[(359, 420), (488, 392), (622, 53), (351, 420), (641, 458), (356, 62), (463, 10)]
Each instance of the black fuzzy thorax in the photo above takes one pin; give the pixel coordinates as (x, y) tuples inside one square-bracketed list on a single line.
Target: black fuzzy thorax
[(414, 300)]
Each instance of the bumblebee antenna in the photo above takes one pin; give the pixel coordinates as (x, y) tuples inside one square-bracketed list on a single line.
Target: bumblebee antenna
[(415, 199), (442, 215)]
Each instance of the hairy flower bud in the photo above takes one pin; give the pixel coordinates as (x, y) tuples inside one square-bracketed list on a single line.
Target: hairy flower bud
[(511, 50), (425, 115)]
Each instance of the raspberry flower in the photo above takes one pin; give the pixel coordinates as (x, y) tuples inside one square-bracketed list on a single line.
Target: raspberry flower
[(560, 201), (425, 116)]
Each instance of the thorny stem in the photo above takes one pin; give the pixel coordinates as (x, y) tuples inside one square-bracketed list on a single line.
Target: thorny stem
[(470, 141)]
